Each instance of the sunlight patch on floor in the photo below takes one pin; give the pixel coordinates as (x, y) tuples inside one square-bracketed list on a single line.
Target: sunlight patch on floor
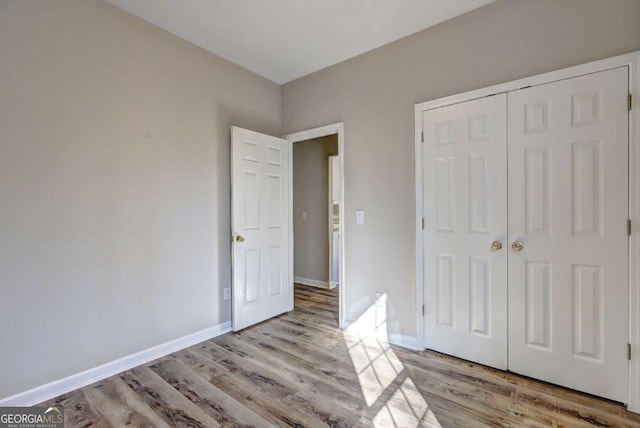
[(380, 373), (377, 366), (406, 408)]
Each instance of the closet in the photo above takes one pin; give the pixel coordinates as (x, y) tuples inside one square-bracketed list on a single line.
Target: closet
[(525, 244)]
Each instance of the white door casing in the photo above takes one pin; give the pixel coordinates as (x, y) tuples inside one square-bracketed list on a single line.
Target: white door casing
[(260, 208), (465, 211), (568, 205), (323, 131)]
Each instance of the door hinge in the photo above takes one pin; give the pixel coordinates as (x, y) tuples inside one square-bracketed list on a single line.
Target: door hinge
[(629, 227), (423, 309), (629, 102), (422, 224), (629, 351), (422, 136)]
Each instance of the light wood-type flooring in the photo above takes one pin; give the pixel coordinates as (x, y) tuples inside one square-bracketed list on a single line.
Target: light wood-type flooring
[(300, 370)]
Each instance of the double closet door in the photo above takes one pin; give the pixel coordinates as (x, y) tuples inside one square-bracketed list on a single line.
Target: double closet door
[(525, 238)]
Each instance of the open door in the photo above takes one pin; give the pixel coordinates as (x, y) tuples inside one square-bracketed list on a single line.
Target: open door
[(262, 269)]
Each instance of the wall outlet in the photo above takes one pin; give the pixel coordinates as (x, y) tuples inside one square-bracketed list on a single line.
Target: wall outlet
[(227, 293), (360, 217)]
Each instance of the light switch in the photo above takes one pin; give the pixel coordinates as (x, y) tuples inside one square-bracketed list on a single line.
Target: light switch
[(360, 217), (303, 214)]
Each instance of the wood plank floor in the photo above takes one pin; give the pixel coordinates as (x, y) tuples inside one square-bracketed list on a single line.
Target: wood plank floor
[(300, 370)]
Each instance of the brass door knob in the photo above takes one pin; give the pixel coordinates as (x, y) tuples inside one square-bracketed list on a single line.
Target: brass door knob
[(517, 246), (496, 246), (239, 238)]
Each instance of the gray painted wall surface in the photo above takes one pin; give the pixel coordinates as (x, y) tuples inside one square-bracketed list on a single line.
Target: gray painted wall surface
[(375, 93), (114, 164)]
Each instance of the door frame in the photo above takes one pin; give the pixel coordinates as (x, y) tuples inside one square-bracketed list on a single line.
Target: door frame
[(630, 60), (308, 134)]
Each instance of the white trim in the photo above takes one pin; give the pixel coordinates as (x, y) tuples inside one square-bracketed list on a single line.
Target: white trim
[(333, 284), (634, 239), (391, 337), (290, 221), (631, 60), (70, 383), (398, 339), (419, 232), (312, 282), (323, 131)]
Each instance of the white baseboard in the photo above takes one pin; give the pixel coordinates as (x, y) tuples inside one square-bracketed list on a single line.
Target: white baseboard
[(87, 377), (311, 282), (391, 337), (333, 284), (402, 340)]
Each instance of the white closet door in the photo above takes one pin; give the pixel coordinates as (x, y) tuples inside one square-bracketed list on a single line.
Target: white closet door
[(568, 196), (465, 206)]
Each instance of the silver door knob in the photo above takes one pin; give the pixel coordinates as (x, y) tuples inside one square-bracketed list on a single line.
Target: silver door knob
[(517, 246), (496, 246)]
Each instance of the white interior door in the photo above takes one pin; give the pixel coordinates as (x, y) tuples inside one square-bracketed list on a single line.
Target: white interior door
[(568, 206), (465, 209), (261, 227)]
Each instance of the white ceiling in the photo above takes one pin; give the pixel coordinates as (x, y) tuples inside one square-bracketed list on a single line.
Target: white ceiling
[(286, 39)]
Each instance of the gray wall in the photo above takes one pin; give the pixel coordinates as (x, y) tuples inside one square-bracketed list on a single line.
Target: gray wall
[(114, 164), (375, 93), (311, 193)]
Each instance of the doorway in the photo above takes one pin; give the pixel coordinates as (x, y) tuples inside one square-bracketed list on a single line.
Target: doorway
[(314, 211)]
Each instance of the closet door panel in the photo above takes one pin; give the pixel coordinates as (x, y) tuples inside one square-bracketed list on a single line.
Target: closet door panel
[(568, 206), (465, 206)]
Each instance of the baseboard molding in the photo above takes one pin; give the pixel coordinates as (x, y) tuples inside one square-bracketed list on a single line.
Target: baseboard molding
[(87, 377), (333, 284), (311, 282), (391, 337), (402, 340)]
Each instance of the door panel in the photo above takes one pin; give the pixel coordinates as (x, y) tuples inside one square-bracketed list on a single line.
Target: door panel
[(568, 205), (262, 284), (465, 206)]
